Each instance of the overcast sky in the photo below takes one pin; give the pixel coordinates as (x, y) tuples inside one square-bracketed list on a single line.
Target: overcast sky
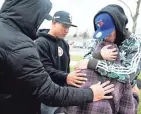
[(83, 11)]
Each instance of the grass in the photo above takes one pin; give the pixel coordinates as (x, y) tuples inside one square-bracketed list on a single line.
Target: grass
[(71, 68), (139, 76), (77, 58)]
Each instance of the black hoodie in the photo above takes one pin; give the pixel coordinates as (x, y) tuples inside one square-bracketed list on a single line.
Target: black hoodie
[(129, 49), (24, 83), (54, 54), (26, 15)]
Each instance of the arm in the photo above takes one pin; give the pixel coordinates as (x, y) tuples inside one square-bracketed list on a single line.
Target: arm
[(3, 54), (34, 80), (59, 77), (128, 68)]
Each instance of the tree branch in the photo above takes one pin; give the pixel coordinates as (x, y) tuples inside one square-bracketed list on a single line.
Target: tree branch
[(128, 8), (137, 9)]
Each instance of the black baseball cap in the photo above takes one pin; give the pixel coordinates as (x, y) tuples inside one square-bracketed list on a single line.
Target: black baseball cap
[(48, 17), (63, 17)]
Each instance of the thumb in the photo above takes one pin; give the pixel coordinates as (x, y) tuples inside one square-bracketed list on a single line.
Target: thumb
[(99, 83)]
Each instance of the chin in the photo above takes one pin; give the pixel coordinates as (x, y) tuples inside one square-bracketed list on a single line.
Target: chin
[(62, 37)]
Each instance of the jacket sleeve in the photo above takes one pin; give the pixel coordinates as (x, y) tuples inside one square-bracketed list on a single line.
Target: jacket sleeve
[(91, 54), (58, 76), (3, 54), (127, 70), (68, 50), (34, 80)]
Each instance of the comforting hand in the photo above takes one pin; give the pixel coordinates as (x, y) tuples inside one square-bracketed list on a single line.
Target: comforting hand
[(109, 54), (76, 78), (82, 64), (100, 90)]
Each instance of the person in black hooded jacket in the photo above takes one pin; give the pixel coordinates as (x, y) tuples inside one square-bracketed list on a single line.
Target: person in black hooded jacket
[(54, 51), (24, 83)]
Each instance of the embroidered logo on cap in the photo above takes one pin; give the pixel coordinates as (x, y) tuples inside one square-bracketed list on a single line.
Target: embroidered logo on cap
[(70, 18), (100, 23), (56, 17), (99, 34)]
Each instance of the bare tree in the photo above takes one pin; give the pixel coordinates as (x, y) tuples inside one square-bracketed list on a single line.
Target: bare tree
[(85, 34), (74, 35), (135, 16)]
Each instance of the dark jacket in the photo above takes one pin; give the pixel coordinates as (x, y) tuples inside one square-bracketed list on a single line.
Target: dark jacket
[(24, 83), (54, 54), (129, 49)]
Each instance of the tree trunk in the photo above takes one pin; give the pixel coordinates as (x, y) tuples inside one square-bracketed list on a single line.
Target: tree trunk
[(136, 17)]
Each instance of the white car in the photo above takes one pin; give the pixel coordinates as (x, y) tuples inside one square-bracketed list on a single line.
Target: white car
[(78, 45)]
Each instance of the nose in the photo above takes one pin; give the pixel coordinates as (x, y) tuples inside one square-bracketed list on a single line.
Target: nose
[(66, 30)]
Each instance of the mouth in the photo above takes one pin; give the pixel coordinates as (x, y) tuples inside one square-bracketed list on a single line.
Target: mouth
[(64, 34)]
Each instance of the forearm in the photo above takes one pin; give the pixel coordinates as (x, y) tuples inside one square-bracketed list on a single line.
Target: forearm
[(105, 69), (59, 77), (53, 95)]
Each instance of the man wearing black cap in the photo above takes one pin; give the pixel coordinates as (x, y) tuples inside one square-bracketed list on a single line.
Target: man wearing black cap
[(54, 53)]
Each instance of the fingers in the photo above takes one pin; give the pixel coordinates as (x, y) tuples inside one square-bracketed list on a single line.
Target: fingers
[(113, 57), (77, 71), (77, 67), (80, 74), (79, 82), (113, 50), (108, 87), (115, 53), (81, 78), (107, 97), (105, 83), (108, 91), (99, 83), (76, 85)]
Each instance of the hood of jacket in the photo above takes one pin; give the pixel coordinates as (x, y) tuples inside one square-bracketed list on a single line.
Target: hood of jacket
[(120, 20), (25, 15)]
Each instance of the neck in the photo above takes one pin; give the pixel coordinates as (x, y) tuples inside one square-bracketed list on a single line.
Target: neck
[(51, 33)]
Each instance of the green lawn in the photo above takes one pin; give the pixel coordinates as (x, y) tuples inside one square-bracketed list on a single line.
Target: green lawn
[(77, 58), (139, 76)]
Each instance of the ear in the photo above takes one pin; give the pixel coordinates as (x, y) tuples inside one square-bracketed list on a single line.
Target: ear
[(53, 22)]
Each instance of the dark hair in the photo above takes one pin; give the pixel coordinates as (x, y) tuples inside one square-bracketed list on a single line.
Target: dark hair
[(119, 38)]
